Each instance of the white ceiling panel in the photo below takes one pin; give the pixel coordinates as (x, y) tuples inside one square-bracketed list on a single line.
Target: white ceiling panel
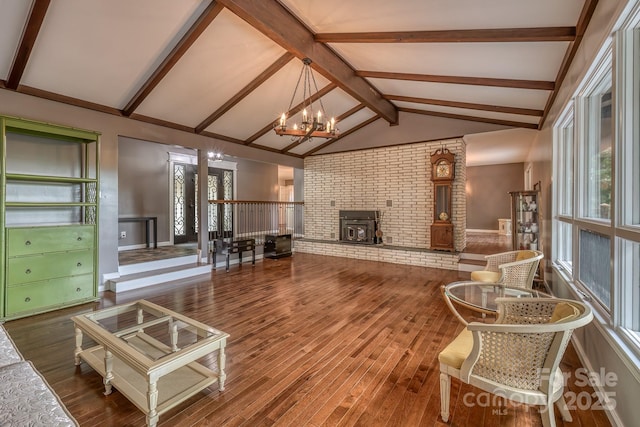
[(235, 122), (355, 119), (274, 141), (226, 57), (307, 146), (469, 112), (411, 15), (102, 51), (491, 95), (14, 15), (337, 102), (530, 61), (505, 146)]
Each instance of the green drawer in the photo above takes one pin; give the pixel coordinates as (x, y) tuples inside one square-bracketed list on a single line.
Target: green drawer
[(39, 267), (36, 296), (34, 240)]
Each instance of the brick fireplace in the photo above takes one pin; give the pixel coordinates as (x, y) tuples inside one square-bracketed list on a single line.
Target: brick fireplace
[(392, 180)]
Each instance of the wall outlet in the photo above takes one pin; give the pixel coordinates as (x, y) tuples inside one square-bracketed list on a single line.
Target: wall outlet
[(123, 234)]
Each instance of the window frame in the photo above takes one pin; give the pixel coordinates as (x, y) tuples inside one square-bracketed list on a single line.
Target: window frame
[(619, 56)]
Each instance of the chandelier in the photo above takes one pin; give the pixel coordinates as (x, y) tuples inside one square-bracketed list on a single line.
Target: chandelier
[(313, 123)]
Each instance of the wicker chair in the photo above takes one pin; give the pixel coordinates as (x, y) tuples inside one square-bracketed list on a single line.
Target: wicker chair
[(514, 268), (518, 356)]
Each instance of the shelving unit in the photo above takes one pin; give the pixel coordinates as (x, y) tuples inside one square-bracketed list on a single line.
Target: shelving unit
[(49, 176), (525, 219)]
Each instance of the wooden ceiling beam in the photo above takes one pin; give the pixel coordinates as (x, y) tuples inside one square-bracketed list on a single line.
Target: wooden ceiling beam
[(471, 118), (467, 105), (254, 84), (27, 41), (277, 23), (52, 96), (460, 80), (493, 35), (198, 27)]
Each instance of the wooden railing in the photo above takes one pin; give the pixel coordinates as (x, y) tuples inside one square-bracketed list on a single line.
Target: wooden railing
[(243, 219)]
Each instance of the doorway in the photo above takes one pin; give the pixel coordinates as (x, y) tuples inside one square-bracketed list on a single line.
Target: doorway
[(185, 190)]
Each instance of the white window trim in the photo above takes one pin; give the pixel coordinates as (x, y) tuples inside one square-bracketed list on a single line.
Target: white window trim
[(626, 130)]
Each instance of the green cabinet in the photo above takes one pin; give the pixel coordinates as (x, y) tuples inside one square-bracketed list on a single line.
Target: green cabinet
[(49, 178)]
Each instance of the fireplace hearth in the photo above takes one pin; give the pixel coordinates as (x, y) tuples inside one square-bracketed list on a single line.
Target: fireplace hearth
[(358, 226)]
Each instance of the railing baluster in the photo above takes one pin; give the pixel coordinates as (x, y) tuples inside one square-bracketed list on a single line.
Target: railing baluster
[(255, 219)]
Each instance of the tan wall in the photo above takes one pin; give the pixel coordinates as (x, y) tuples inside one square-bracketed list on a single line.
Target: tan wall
[(487, 193)]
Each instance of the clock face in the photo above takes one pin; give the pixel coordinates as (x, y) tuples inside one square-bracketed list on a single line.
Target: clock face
[(443, 169)]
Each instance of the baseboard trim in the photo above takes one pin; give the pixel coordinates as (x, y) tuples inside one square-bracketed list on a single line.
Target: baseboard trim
[(481, 230)]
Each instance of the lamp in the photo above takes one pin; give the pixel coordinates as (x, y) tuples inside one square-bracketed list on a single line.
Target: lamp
[(312, 124), (215, 156)]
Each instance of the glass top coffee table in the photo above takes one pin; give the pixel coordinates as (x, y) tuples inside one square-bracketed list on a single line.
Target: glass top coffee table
[(152, 355), (481, 296)]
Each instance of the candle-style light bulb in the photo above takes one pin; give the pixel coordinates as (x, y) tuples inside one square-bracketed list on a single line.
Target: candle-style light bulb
[(304, 115), (319, 116), (283, 120), (333, 124)]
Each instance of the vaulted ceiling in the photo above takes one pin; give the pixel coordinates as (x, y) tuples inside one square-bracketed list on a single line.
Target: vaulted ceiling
[(227, 69)]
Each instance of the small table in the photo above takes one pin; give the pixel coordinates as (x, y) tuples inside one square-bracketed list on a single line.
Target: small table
[(228, 247), (481, 296), (150, 353)]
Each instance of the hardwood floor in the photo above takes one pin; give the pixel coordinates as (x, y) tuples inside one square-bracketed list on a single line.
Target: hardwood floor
[(315, 341)]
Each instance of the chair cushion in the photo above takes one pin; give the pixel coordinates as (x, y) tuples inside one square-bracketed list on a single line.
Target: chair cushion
[(485, 276), (522, 255), (458, 350), (564, 312)]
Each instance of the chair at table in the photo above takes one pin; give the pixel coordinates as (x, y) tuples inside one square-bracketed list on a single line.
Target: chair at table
[(514, 268), (517, 357)]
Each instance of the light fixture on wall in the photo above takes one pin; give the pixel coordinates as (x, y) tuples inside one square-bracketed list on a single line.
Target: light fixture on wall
[(313, 123), (215, 156)]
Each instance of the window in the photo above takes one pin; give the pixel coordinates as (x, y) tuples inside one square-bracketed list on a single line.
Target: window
[(562, 227), (596, 210), (630, 275), (595, 265), (597, 155), (566, 170), (564, 243)]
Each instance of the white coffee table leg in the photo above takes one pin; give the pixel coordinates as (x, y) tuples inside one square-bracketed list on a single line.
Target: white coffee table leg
[(173, 333), (221, 364), (152, 402), (108, 371), (78, 350)]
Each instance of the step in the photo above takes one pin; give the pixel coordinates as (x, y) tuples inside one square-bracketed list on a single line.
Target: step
[(143, 279), (471, 262), (142, 267), (470, 256)]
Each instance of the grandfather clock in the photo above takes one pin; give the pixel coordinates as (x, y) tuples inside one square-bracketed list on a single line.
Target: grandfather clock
[(442, 175)]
